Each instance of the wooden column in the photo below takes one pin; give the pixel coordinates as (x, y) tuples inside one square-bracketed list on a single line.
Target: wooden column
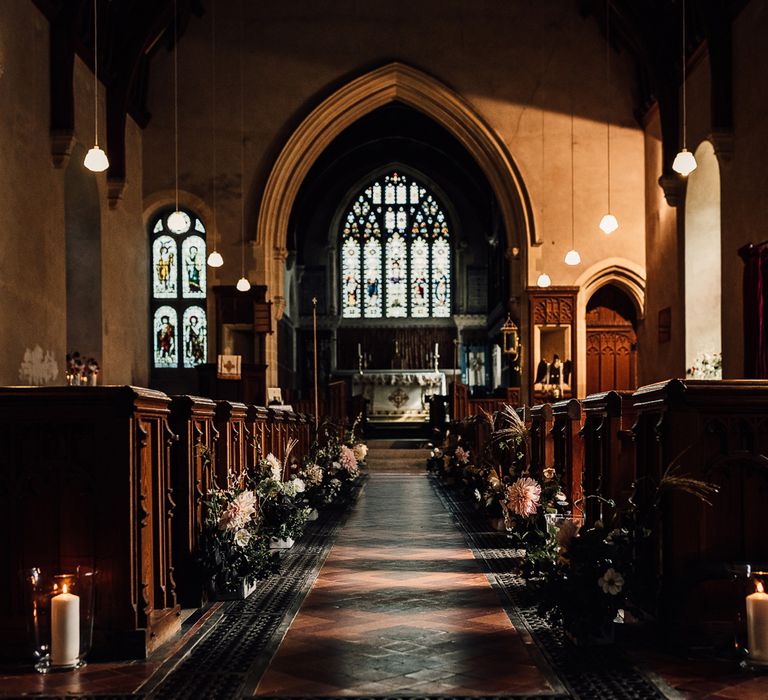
[(192, 419), (86, 472), (231, 462), (568, 455)]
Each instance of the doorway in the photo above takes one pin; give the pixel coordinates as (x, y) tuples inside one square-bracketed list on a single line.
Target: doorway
[(611, 341)]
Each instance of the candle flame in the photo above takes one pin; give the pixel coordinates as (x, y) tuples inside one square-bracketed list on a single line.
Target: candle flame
[(64, 588), (760, 588)]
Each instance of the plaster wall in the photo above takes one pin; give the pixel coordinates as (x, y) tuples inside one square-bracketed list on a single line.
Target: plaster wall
[(33, 270), (523, 68)]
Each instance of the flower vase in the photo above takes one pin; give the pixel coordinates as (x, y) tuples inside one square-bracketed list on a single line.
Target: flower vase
[(281, 543), (313, 515), (93, 379), (240, 591)]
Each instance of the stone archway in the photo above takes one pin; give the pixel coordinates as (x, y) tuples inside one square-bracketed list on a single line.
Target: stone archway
[(391, 83)]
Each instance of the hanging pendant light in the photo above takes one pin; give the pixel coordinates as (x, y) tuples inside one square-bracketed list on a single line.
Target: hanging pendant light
[(609, 223), (572, 257), (243, 285), (177, 221), (544, 280), (96, 160), (685, 162), (214, 259)]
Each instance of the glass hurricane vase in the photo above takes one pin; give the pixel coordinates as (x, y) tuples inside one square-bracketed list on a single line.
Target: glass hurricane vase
[(60, 617)]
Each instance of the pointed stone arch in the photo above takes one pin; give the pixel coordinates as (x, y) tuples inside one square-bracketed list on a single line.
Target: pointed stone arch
[(394, 82)]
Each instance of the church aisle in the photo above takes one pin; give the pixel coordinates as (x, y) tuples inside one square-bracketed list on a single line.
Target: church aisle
[(401, 607)]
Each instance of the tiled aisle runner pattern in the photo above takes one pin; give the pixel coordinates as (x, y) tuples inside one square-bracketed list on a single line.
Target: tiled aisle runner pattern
[(401, 607)]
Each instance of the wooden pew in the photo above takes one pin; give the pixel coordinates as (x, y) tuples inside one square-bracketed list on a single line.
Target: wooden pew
[(276, 424), (231, 447), (717, 431), (87, 480), (608, 451), (258, 435), (567, 451), (541, 450), (192, 419)]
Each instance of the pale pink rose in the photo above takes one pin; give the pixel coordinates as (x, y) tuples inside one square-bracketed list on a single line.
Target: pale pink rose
[(523, 496)]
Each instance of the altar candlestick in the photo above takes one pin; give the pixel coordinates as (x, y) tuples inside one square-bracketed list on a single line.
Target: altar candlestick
[(757, 625), (65, 628)]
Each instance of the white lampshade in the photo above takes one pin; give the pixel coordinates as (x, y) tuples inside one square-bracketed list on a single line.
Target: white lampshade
[(685, 163), (96, 160), (608, 224), (243, 285), (572, 257), (177, 222), (215, 259), (544, 280)]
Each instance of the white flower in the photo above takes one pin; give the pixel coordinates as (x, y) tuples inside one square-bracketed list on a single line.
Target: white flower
[(437, 452), (335, 483), (335, 466), (242, 538), (299, 484), (477, 495), (360, 451), (611, 582), (275, 466)]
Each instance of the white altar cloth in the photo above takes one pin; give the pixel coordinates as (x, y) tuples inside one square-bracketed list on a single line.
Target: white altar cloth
[(398, 395)]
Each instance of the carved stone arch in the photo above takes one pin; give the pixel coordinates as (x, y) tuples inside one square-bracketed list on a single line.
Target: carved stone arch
[(394, 82), (627, 276)]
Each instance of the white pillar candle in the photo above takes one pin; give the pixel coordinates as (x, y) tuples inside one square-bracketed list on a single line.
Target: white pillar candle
[(436, 349), (65, 629), (757, 625)]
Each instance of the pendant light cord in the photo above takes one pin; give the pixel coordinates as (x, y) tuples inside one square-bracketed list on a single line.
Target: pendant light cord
[(608, 93), (242, 147), (213, 112), (176, 100), (685, 116), (573, 199), (96, 72)]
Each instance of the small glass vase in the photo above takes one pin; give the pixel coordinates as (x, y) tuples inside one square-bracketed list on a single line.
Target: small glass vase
[(60, 617)]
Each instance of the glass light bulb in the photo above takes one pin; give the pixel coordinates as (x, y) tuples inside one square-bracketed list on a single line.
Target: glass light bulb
[(96, 160), (243, 285), (178, 222), (685, 163), (608, 224), (572, 257), (215, 259), (544, 280)]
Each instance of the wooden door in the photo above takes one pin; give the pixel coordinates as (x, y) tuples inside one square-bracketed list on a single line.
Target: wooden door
[(611, 343)]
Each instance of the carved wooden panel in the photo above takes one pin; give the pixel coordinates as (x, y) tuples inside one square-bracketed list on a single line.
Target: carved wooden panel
[(554, 310), (88, 482), (232, 445)]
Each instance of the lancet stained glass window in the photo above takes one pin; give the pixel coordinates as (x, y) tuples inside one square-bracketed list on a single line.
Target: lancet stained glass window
[(179, 324), (395, 252)]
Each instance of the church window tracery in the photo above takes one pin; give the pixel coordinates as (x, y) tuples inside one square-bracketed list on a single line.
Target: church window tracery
[(395, 252), (178, 286)]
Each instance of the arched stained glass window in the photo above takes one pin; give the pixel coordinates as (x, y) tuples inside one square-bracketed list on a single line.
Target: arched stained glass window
[(395, 252), (179, 321)]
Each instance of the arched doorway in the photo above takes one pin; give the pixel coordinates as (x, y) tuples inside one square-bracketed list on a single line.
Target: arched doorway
[(703, 268), (611, 341)]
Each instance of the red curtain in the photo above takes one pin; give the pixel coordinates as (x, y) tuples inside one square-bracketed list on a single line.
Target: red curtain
[(755, 258)]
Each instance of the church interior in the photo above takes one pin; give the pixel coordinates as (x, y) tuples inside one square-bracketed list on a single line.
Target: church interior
[(384, 350)]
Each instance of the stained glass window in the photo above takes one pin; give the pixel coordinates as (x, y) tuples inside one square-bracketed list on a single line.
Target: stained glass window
[(195, 337), (164, 264), (166, 334), (395, 252), (179, 324), (193, 261)]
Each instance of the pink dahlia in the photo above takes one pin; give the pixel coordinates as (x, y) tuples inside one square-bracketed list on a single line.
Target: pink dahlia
[(523, 496), (348, 460), (239, 511), (462, 455)]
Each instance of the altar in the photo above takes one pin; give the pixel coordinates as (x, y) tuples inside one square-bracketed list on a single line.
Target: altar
[(398, 396)]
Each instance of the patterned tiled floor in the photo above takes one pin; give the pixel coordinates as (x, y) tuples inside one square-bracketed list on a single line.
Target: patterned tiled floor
[(401, 607)]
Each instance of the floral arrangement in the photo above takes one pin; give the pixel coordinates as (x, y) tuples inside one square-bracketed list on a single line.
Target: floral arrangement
[(232, 546), (81, 370), (707, 365), (283, 503)]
